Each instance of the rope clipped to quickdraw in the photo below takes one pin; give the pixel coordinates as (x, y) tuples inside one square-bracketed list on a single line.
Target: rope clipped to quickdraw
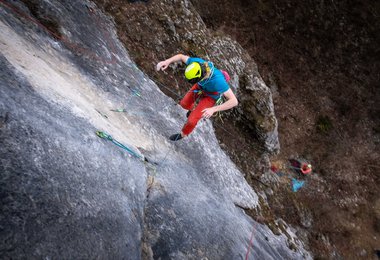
[(151, 167), (197, 96), (119, 110), (135, 93), (219, 101), (108, 137)]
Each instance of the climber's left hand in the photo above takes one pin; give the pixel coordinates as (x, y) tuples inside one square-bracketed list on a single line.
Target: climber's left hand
[(208, 112)]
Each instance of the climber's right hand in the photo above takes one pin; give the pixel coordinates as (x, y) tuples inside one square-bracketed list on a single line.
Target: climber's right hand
[(162, 65)]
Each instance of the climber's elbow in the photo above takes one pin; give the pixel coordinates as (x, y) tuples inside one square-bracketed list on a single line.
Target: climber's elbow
[(235, 102)]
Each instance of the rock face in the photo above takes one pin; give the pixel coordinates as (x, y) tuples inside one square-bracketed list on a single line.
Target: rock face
[(66, 193), (169, 27), (256, 103)]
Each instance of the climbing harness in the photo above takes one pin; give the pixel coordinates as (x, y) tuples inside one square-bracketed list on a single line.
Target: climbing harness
[(199, 92)]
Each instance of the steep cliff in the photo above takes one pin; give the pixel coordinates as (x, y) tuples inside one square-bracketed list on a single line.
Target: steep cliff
[(66, 193), (160, 29), (322, 62)]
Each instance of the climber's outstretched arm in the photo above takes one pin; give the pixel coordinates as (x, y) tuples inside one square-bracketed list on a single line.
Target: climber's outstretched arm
[(162, 65)]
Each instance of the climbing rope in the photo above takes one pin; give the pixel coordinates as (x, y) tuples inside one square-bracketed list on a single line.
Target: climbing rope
[(74, 46), (93, 55), (250, 241), (108, 137)]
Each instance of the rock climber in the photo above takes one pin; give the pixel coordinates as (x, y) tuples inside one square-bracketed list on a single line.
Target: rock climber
[(301, 166), (209, 84), (306, 168)]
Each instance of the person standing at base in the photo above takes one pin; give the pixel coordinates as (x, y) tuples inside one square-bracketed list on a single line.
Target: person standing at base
[(209, 84)]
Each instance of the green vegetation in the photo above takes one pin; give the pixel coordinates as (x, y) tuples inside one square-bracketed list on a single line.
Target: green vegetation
[(324, 124)]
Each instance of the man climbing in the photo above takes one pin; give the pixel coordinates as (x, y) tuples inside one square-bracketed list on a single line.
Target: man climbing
[(300, 166), (209, 84)]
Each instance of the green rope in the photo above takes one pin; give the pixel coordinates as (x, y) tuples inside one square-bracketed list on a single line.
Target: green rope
[(108, 137), (119, 110), (135, 93), (218, 102)]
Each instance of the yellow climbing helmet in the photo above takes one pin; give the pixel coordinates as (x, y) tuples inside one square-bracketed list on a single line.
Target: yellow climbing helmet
[(194, 72)]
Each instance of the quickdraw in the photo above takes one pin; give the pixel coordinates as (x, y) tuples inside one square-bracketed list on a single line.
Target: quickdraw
[(218, 102), (108, 137)]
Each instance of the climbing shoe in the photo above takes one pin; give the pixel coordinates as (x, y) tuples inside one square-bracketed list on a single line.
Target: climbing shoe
[(175, 137)]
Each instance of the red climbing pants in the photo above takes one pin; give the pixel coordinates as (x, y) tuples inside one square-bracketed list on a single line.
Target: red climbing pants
[(188, 102)]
